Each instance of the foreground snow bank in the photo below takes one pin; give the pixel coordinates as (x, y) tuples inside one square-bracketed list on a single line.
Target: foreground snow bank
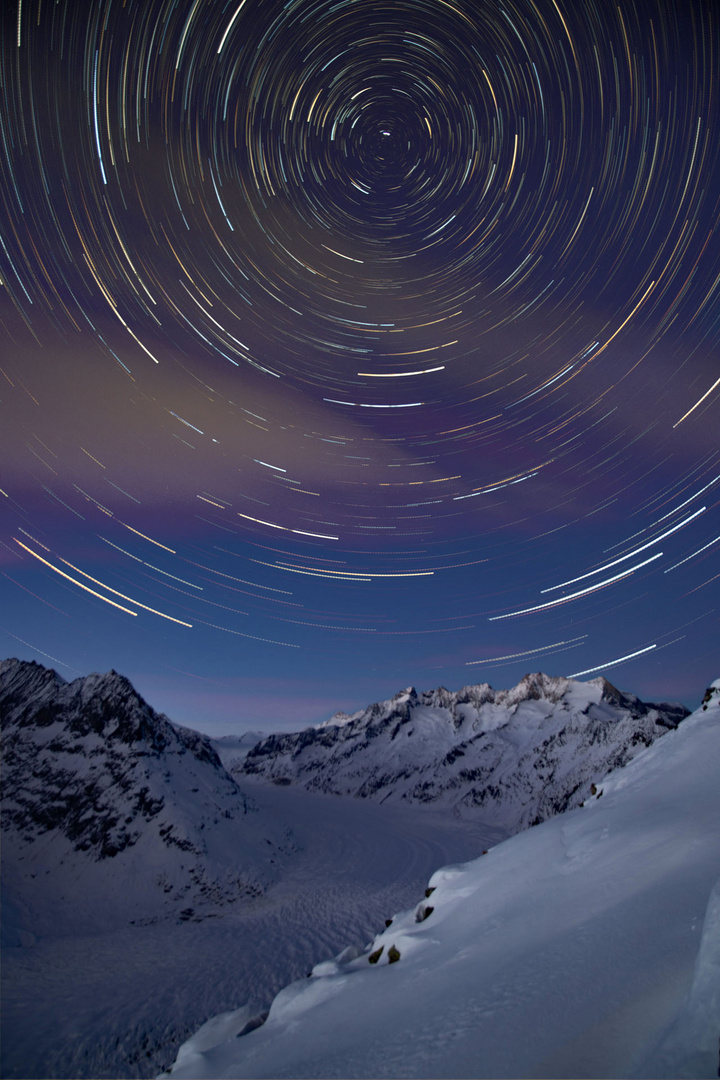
[(586, 947)]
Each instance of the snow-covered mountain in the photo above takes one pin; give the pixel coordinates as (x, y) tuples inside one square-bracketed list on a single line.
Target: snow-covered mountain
[(588, 946), (513, 757), (111, 813)]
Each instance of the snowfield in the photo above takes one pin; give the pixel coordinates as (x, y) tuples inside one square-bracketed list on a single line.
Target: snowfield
[(588, 946)]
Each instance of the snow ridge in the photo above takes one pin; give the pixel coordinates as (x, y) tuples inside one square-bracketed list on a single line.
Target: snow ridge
[(514, 756)]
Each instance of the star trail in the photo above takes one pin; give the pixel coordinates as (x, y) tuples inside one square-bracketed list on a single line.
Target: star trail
[(269, 268)]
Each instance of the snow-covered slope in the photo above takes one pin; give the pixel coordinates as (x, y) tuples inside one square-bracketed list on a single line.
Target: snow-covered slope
[(588, 946), (513, 757), (110, 813)]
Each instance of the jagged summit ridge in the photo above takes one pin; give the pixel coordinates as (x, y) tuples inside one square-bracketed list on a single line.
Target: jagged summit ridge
[(515, 756), (106, 705), (532, 687)]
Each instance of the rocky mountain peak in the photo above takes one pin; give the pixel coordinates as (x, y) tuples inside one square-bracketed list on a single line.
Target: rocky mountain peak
[(93, 777), (76, 756), (535, 686), (103, 705), (609, 692)]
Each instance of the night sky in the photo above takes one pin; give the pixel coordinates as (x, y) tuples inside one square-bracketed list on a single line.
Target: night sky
[(354, 344)]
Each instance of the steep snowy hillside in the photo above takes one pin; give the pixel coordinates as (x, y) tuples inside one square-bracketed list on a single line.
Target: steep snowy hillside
[(110, 813), (588, 946), (515, 757)]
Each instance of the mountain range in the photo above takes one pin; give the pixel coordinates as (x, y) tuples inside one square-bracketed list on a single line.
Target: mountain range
[(98, 788), (513, 757)]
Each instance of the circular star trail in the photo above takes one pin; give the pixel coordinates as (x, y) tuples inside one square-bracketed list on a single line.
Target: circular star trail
[(349, 343)]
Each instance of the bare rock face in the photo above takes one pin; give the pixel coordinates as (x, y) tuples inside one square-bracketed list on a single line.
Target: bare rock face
[(711, 695), (513, 757), (112, 813)]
